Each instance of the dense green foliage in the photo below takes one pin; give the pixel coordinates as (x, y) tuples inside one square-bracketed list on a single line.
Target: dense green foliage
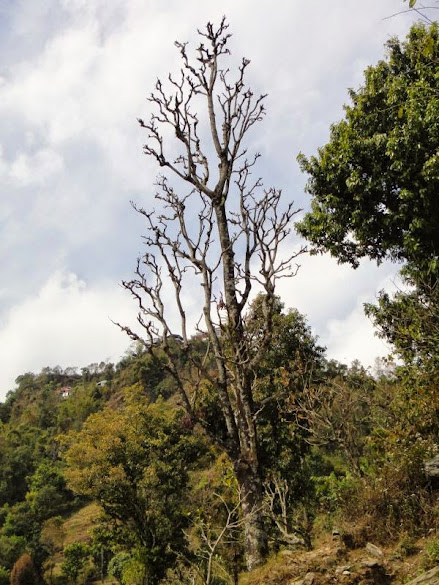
[(75, 558), (331, 437), (374, 194), (136, 464), (374, 185)]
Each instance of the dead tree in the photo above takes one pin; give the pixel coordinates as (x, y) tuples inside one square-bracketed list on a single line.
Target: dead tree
[(276, 506), (420, 10), (219, 228), (212, 537)]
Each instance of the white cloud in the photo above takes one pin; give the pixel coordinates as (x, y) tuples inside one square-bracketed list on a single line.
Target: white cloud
[(332, 297), (353, 338), (28, 169), (66, 323), (71, 89)]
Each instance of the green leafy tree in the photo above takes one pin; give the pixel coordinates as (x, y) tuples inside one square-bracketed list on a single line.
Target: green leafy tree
[(118, 564), (293, 361), (21, 446), (48, 495), (135, 463), (73, 411), (374, 194), (11, 548), (22, 523), (75, 557), (135, 572), (409, 320), (374, 185)]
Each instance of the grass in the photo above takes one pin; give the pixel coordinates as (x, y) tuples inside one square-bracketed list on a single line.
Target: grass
[(78, 527)]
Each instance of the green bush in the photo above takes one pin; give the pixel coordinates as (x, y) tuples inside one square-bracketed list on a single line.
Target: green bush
[(394, 500), (332, 490), (75, 556), (117, 565), (431, 554), (4, 576)]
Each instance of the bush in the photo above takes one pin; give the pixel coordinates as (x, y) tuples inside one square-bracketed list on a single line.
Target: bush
[(332, 490), (431, 554), (134, 573), (394, 501), (23, 572), (117, 565), (4, 576), (75, 557)]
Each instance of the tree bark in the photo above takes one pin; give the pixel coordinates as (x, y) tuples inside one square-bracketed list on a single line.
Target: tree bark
[(255, 537)]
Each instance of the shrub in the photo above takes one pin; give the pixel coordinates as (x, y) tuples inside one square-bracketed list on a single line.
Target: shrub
[(393, 501), (23, 572), (431, 554), (4, 576), (75, 557), (117, 565), (332, 490)]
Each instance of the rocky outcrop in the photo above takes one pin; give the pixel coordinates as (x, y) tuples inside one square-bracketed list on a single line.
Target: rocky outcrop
[(374, 550), (432, 468)]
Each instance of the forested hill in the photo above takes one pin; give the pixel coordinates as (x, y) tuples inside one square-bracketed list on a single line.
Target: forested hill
[(104, 476), (232, 455)]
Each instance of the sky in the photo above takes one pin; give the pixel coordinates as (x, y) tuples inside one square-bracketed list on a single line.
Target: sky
[(74, 77)]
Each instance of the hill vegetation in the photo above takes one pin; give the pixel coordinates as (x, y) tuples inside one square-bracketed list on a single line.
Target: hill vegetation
[(241, 453), (113, 481)]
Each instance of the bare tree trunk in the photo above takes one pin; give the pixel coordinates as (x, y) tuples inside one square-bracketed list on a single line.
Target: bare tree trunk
[(181, 240), (245, 459), (255, 537)]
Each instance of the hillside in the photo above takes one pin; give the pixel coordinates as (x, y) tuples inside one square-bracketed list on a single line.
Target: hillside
[(330, 561), (92, 461)]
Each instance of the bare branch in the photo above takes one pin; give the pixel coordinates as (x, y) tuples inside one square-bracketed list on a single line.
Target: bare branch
[(276, 491), (222, 238)]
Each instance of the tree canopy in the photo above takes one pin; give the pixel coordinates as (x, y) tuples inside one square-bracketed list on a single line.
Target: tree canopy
[(135, 463), (374, 184)]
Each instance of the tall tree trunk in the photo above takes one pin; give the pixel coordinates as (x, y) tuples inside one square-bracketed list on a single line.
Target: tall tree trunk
[(250, 230), (255, 537)]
